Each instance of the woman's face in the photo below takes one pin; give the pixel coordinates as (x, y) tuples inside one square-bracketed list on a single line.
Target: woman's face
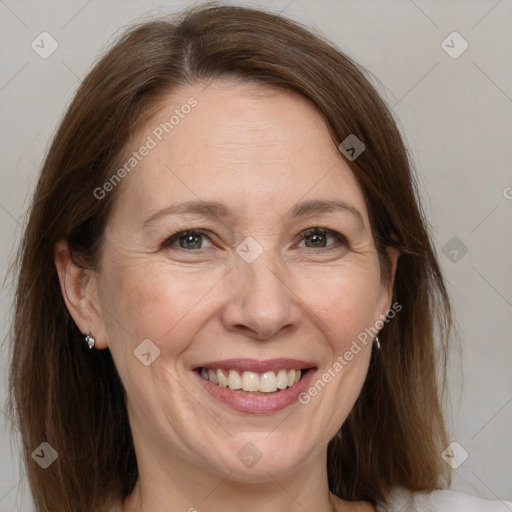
[(271, 278)]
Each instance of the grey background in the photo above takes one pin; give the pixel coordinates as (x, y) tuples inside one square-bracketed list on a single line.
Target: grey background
[(456, 116)]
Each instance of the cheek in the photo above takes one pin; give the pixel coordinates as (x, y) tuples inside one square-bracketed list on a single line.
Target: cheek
[(343, 304), (152, 300), (343, 301)]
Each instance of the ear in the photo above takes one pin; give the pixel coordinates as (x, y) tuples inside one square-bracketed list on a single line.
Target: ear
[(79, 287), (387, 281)]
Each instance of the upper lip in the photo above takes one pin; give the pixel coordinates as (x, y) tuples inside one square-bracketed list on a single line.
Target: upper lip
[(257, 366)]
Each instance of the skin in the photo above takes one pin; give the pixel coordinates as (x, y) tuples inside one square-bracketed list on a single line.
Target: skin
[(259, 151)]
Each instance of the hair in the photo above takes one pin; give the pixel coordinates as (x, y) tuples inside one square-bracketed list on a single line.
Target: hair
[(73, 398)]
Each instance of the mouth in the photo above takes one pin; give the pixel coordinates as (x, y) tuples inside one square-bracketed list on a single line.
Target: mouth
[(255, 387)]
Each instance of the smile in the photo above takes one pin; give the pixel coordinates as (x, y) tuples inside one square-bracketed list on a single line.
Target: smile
[(255, 387)]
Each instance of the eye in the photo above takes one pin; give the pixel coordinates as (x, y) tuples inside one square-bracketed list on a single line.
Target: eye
[(317, 238), (193, 239), (189, 239)]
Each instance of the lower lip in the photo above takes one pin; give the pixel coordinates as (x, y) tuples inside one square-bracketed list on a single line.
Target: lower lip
[(258, 404)]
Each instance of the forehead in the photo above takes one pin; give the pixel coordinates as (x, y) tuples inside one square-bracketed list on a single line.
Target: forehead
[(244, 144)]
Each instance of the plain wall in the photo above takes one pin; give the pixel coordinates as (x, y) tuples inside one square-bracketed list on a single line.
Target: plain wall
[(455, 113)]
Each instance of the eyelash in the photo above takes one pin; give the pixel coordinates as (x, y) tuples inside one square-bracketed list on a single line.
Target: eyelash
[(169, 240)]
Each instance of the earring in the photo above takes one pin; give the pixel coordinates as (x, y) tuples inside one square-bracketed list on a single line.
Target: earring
[(90, 340), (376, 343)]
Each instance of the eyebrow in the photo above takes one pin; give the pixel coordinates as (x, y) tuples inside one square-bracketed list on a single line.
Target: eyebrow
[(219, 210)]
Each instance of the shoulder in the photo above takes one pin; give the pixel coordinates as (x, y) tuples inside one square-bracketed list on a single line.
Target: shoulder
[(440, 501)]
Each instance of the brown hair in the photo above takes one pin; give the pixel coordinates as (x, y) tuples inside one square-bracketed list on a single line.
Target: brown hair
[(73, 398)]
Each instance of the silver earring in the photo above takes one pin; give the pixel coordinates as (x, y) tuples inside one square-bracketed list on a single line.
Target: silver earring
[(90, 340), (376, 343)]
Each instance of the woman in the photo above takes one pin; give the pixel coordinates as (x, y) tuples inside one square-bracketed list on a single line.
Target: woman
[(227, 292)]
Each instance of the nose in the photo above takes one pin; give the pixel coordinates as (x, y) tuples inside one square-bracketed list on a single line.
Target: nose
[(261, 302)]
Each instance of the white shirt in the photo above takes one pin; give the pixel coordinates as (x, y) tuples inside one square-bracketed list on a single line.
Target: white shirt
[(440, 501)]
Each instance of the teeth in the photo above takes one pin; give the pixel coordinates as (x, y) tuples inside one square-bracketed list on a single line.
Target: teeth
[(267, 382), (223, 381), (212, 377), (250, 381), (282, 379), (234, 380)]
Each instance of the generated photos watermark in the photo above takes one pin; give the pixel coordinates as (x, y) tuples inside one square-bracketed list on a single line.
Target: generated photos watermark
[(157, 135), (343, 360)]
